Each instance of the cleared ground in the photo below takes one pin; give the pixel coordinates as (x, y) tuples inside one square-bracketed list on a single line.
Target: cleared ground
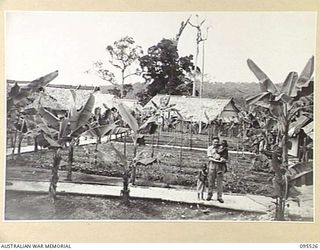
[(26, 206)]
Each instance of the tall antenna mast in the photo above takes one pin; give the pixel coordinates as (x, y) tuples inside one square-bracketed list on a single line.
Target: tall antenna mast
[(198, 41)]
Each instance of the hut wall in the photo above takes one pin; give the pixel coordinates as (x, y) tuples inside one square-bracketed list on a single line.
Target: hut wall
[(294, 146)]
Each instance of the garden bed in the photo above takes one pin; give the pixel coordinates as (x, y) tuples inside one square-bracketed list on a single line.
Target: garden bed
[(241, 177)]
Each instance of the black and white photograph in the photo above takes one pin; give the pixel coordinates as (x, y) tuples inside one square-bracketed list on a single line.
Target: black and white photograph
[(159, 116)]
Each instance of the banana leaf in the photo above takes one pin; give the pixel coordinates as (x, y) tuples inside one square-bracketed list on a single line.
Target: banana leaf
[(262, 99), (52, 143), (288, 86), (120, 156), (127, 117), (154, 104), (297, 87), (101, 130), (150, 120), (266, 85), (79, 130), (50, 119), (120, 130), (306, 74), (74, 95), (80, 118), (63, 128), (35, 85)]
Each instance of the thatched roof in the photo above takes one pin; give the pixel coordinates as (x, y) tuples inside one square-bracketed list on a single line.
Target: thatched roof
[(194, 108), (45, 101), (64, 97)]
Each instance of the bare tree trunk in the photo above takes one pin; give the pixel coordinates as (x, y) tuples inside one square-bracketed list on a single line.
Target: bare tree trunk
[(195, 71), (54, 171), (35, 144)]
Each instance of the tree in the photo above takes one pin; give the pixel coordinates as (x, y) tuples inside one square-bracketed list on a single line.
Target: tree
[(283, 104), (165, 71), (123, 54)]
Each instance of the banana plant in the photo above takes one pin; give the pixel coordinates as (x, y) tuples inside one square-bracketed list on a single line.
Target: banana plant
[(283, 105), (70, 128), (127, 117), (126, 174), (61, 131), (98, 131), (18, 98)]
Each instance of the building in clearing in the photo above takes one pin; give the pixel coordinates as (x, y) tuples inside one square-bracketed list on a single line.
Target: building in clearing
[(197, 109)]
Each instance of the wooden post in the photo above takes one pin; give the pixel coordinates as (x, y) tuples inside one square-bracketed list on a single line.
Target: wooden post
[(190, 131), (181, 141), (14, 143), (11, 140), (158, 137), (125, 145), (209, 134), (304, 150), (19, 143), (152, 146), (200, 127)]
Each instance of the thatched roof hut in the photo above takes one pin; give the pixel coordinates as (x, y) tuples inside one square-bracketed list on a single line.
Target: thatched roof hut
[(198, 109)]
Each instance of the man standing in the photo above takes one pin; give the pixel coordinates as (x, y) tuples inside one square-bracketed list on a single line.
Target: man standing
[(216, 169)]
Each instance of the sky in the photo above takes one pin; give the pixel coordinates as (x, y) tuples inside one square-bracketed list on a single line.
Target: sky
[(38, 43)]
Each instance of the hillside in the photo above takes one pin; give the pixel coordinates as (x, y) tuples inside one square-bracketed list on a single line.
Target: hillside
[(238, 90)]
